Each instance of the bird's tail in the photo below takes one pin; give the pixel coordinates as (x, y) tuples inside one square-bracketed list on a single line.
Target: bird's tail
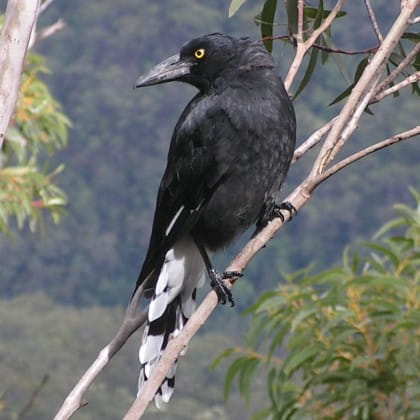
[(172, 304)]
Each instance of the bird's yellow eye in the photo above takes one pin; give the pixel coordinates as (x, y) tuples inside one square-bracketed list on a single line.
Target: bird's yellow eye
[(199, 53)]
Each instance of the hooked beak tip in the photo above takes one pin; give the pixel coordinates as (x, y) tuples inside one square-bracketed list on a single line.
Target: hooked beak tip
[(167, 71)]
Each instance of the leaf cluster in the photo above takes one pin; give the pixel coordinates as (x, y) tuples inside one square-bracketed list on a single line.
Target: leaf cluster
[(344, 343), (38, 128)]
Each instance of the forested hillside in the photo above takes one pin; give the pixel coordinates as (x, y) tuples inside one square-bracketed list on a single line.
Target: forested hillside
[(62, 288)]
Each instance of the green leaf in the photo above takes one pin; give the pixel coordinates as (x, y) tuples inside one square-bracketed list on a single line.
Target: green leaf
[(234, 6), (295, 360), (232, 371), (308, 73), (346, 92), (385, 251), (245, 377), (387, 227), (312, 12), (226, 353), (262, 415), (324, 54), (292, 16), (267, 19), (319, 14), (260, 301), (278, 339), (301, 316), (359, 70)]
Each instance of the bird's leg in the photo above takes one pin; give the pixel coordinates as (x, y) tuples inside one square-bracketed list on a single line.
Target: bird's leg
[(285, 205), (224, 294)]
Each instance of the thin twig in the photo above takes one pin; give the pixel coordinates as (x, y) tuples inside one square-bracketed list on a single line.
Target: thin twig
[(312, 140), (300, 49), (364, 87), (130, 324), (405, 135), (325, 48), (44, 6), (299, 35), (414, 78), (48, 31), (302, 46), (411, 56), (346, 52), (325, 24), (34, 396), (351, 124), (373, 20)]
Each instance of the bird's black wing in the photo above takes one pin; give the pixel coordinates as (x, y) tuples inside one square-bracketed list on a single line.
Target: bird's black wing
[(199, 157)]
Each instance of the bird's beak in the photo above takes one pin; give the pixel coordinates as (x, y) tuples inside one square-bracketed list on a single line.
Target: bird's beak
[(173, 68)]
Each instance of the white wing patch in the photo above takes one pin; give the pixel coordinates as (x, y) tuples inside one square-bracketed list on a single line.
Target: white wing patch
[(175, 218)]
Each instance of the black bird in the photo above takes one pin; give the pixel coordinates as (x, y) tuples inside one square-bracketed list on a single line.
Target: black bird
[(229, 154)]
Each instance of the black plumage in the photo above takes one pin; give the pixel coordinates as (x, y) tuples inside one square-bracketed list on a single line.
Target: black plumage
[(229, 154)]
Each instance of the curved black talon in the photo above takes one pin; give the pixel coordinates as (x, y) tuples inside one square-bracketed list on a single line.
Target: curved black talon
[(286, 205), (223, 292)]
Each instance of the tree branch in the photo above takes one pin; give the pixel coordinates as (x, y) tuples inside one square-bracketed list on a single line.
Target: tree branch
[(300, 49), (302, 46), (23, 412), (373, 20), (346, 52), (364, 88), (411, 56), (45, 5), (317, 136), (313, 140), (328, 49), (131, 323), (405, 135), (19, 20), (348, 129), (415, 77), (48, 31)]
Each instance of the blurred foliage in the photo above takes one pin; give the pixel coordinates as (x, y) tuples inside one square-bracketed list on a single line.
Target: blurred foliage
[(344, 343), (38, 127)]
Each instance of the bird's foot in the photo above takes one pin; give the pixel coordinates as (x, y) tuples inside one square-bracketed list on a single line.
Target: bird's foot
[(224, 294), (285, 205)]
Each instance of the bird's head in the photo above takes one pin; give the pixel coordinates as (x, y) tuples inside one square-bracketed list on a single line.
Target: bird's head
[(200, 62)]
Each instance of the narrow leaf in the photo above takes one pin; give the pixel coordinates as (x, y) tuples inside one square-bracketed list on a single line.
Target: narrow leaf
[(292, 16), (267, 19), (233, 370), (361, 66), (308, 73), (294, 361)]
